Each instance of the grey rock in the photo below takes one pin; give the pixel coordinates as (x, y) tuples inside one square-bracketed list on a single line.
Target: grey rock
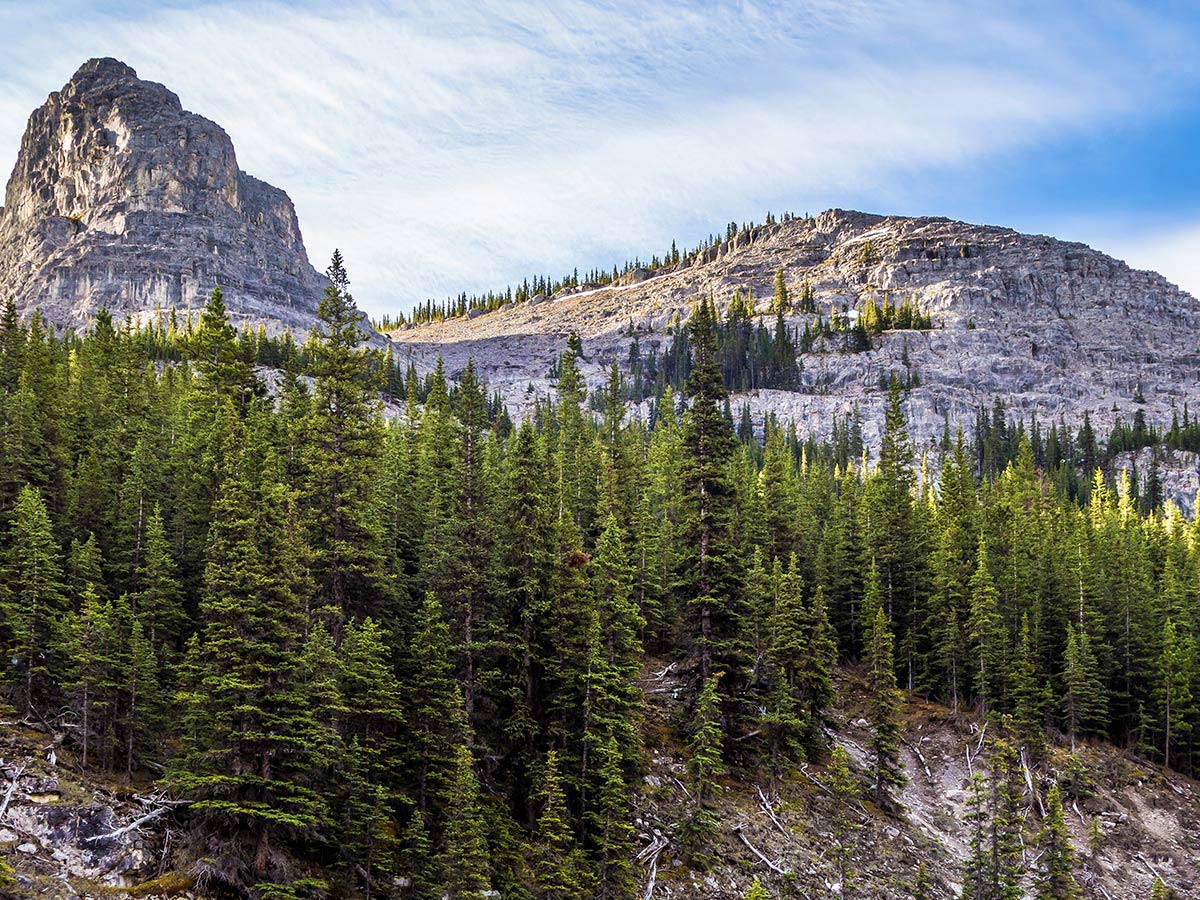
[(1049, 327), (122, 199)]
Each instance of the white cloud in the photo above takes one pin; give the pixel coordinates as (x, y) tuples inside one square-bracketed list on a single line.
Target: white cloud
[(448, 146)]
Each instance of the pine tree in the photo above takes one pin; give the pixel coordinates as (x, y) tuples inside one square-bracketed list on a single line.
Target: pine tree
[(1083, 700), (756, 891), (884, 711), (223, 369), (708, 573), (977, 870), (1007, 844), (558, 865), (987, 633), (780, 303), (255, 741), (33, 605), (1028, 695), (158, 601), (923, 884), (705, 765), (1054, 879), (344, 435), (842, 785), (1173, 693), (609, 825), (433, 716), (464, 857)]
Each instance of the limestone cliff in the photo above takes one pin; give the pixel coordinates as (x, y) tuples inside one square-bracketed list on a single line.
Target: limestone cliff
[(121, 198)]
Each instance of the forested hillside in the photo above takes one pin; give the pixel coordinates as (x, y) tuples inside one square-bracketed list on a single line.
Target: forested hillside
[(405, 657)]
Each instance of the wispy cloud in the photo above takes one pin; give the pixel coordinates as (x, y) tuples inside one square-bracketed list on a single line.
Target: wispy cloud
[(448, 146)]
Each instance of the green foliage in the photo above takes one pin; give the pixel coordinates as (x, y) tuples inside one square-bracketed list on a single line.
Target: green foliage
[(704, 766), (883, 713), (1054, 879), (354, 646)]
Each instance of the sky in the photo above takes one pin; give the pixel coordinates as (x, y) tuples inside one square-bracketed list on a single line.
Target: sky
[(461, 146)]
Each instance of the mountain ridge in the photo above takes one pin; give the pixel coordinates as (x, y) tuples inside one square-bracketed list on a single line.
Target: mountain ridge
[(1058, 328)]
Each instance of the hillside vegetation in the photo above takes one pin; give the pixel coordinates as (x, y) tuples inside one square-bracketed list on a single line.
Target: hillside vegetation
[(581, 654)]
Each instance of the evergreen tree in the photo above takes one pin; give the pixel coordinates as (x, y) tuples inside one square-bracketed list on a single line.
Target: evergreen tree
[(709, 573), (33, 605), (464, 858), (845, 793), (705, 765), (559, 868), (923, 883), (255, 742), (344, 435), (1054, 879), (756, 891), (884, 712), (987, 633), (1083, 701)]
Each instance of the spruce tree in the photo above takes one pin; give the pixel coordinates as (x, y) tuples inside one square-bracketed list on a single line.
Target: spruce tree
[(464, 857), (558, 864), (923, 883), (843, 787), (1083, 697), (756, 891), (255, 742), (988, 636), (33, 604), (704, 765), (780, 302), (1054, 879), (708, 569), (884, 714), (344, 439)]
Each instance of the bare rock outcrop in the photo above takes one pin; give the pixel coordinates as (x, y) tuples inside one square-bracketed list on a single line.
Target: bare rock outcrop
[(1048, 327), (121, 198)]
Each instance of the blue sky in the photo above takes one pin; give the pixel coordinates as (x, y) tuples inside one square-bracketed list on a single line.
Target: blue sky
[(462, 145)]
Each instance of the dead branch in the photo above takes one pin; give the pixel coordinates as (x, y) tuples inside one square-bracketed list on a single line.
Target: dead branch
[(681, 786), (651, 853), (749, 734), (1146, 862), (662, 673), (766, 806), (132, 826), (12, 786), (1029, 781), (774, 867)]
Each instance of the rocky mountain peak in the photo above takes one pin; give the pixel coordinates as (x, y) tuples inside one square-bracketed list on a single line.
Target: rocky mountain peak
[(122, 198)]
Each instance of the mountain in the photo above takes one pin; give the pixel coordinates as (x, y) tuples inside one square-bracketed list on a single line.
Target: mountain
[(121, 198), (1051, 328)]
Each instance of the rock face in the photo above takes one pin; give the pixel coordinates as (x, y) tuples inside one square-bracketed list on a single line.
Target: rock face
[(121, 198), (1048, 327)]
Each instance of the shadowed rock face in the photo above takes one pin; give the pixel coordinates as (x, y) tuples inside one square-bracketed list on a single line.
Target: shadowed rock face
[(121, 198)]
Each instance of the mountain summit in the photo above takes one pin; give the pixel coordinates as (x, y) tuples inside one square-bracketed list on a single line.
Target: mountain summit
[(121, 198)]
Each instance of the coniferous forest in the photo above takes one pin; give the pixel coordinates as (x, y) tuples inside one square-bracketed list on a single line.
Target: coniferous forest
[(375, 657)]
